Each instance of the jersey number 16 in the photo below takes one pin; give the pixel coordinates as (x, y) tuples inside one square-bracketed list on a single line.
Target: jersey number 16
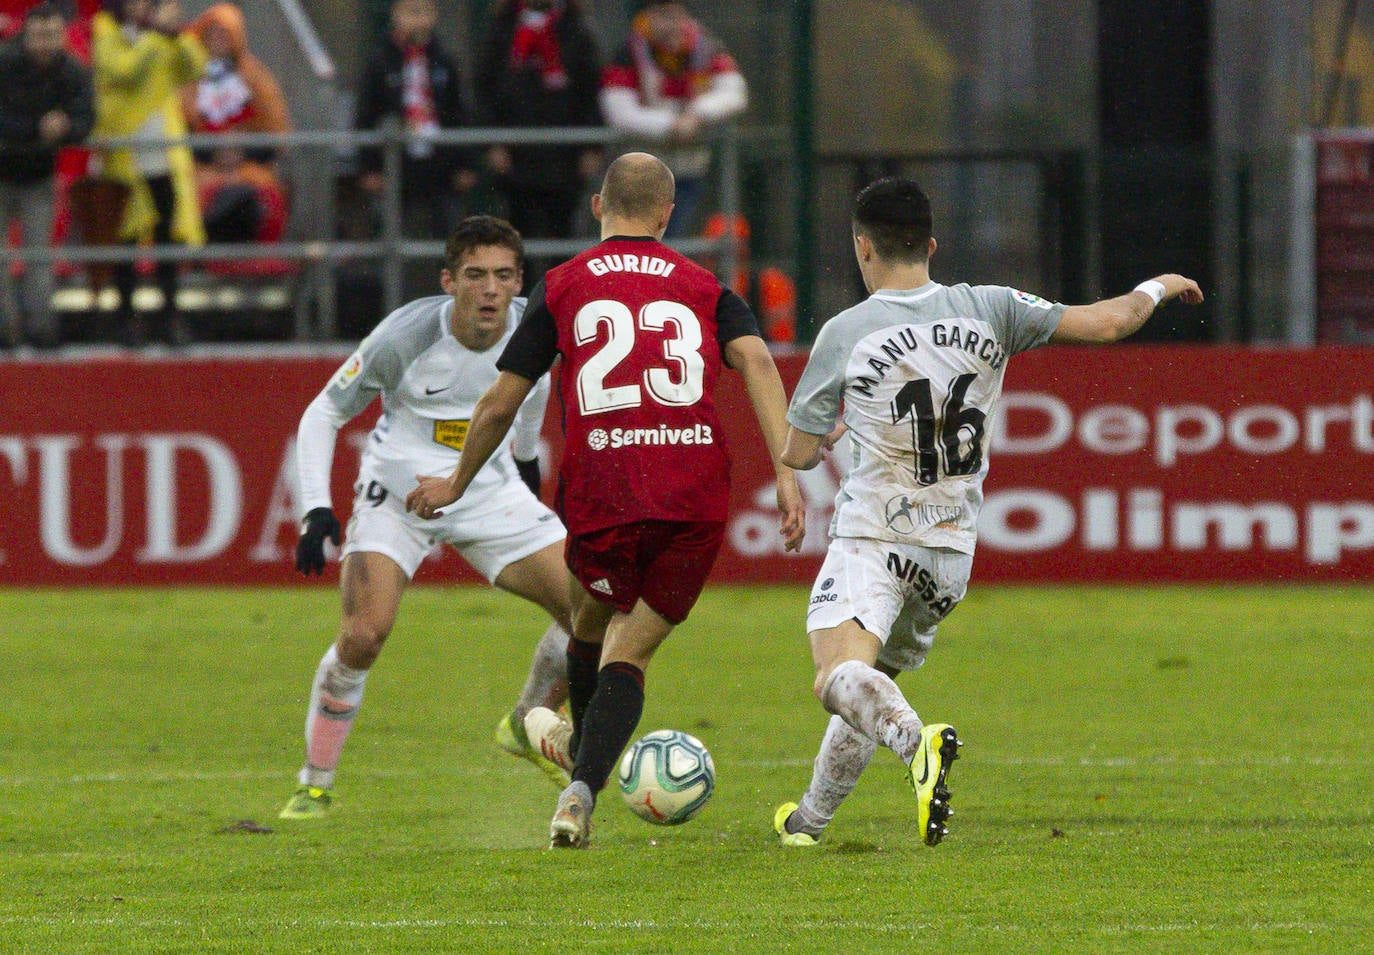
[(915, 399)]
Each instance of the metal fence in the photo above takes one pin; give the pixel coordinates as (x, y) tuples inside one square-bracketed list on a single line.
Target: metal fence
[(311, 242)]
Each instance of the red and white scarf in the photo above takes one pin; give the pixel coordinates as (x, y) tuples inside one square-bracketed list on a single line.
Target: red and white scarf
[(535, 45), (417, 100)]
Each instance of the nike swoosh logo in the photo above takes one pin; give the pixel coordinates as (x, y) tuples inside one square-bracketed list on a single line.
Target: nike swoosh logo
[(435, 391), (925, 765)]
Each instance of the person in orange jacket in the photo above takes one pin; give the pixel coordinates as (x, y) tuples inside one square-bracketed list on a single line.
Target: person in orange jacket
[(240, 188)]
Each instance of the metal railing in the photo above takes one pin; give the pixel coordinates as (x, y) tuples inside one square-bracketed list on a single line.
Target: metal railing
[(318, 250)]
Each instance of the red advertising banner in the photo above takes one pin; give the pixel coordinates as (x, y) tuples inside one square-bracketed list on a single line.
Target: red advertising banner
[(1127, 463)]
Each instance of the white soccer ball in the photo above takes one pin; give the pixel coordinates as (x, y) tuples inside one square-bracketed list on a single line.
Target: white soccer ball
[(667, 777)]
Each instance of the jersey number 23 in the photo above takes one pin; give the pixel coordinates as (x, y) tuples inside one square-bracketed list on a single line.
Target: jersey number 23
[(679, 383)]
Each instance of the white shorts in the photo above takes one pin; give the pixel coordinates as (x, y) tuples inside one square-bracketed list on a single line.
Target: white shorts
[(897, 592), (505, 526)]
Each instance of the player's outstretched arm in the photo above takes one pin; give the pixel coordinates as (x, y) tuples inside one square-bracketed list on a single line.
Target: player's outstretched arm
[(1112, 319), (749, 355), (491, 421)]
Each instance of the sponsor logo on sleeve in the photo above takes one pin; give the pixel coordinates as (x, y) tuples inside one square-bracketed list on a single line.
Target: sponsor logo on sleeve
[(1026, 298), (350, 370)]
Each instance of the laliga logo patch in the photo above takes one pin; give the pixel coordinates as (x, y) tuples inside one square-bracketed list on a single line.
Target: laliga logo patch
[(898, 514), (350, 370), (597, 439), (1035, 301)]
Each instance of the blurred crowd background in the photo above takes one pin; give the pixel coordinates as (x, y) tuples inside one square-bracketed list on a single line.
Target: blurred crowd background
[(1073, 149)]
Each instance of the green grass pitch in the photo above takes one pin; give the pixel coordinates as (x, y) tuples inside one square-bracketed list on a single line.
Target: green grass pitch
[(1155, 770)]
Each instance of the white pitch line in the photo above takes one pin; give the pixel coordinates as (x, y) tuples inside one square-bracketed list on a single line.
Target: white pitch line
[(542, 921)]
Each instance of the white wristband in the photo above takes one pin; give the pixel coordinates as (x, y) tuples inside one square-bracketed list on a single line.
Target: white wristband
[(1153, 289)]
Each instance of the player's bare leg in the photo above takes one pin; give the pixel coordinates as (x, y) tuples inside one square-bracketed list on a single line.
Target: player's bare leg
[(542, 579), (370, 587)]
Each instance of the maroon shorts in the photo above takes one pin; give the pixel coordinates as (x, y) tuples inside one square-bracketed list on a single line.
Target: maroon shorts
[(663, 563)]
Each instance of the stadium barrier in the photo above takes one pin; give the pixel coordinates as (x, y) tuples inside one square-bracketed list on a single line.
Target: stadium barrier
[(1133, 463), (314, 161)]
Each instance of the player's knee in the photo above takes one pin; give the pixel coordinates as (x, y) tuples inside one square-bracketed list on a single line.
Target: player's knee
[(361, 641)]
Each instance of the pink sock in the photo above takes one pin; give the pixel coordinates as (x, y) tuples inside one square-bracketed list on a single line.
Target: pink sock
[(334, 701)]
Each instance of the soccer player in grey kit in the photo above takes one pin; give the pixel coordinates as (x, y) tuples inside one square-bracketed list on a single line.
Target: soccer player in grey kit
[(915, 371), (429, 361)]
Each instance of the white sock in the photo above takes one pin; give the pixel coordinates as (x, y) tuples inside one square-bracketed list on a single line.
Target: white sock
[(868, 700), (547, 683), (840, 761), (334, 701)]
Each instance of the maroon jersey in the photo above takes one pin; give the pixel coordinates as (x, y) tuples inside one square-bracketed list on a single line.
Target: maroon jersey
[(640, 328)]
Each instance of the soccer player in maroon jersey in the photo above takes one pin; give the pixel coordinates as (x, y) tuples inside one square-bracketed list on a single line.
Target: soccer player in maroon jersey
[(644, 481)]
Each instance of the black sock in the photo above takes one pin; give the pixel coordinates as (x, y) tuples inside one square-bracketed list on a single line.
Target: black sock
[(611, 718), (584, 659)]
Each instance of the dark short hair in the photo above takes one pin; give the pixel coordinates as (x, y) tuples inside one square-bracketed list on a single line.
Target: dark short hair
[(47, 10), (895, 215), (476, 232), (116, 8)]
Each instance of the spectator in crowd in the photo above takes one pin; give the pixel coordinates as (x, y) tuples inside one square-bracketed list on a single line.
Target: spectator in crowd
[(413, 79), (76, 13), (71, 161), (142, 58), (45, 103), (12, 13), (539, 67), (240, 188), (669, 84)]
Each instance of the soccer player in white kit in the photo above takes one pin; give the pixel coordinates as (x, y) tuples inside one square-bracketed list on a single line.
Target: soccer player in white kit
[(429, 361), (915, 371)]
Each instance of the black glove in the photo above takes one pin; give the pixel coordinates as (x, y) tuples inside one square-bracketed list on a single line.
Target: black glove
[(529, 473), (318, 524)]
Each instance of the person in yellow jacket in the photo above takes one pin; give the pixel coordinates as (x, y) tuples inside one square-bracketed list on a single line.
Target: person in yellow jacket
[(141, 59)]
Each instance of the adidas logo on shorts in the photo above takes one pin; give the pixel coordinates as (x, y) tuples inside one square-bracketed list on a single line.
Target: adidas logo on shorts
[(602, 586)]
